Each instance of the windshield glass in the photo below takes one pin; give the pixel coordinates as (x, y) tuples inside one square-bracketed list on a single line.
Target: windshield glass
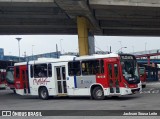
[(130, 69), (10, 76), (141, 71)]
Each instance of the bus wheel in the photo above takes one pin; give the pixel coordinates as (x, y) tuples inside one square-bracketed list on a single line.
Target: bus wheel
[(143, 86), (14, 91), (98, 93), (43, 93)]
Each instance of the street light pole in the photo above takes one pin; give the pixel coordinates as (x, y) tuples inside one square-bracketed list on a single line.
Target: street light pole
[(61, 45), (18, 39), (121, 49), (32, 51), (120, 45)]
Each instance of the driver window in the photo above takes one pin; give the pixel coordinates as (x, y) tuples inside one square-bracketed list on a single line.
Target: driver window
[(110, 70), (116, 70), (124, 68)]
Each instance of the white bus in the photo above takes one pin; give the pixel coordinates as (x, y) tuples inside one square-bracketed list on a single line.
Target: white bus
[(96, 76)]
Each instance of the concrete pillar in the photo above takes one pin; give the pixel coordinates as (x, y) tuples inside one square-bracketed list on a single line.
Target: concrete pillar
[(148, 58), (156, 66), (149, 69), (83, 26)]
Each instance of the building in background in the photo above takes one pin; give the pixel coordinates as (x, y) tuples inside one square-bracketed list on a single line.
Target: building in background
[(13, 58), (35, 57), (46, 55), (1, 53), (27, 58)]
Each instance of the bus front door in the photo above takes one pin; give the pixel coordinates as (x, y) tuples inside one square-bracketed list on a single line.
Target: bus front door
[(61, 80), (25, 81), (113, 77)]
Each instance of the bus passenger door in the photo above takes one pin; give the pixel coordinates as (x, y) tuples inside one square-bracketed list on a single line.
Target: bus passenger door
[(61, 80), (25, 81), (113, 77)]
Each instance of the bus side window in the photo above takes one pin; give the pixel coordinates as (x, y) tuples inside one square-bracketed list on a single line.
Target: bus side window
[(40, 70), (71, 73), (110, 70), (99, 67), (70, 70), (23, 75), (102, 66), (49, 70), (0, 76), (74, 68), (93, 67), (116, 70), (84, 66), (31, 70), (90, 67), (17, 72)]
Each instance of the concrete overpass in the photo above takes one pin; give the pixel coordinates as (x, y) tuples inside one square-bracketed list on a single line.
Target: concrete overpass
[(100, 17), (108, 17)]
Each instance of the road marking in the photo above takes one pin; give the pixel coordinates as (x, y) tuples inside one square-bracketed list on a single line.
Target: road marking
[(153, 83), (150, 91)]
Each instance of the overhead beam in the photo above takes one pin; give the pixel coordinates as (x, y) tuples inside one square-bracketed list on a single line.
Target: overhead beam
[(102, 14), (130, 32), (55, 26), (132, 28), (128, 19), (27, 1), (32, 16), (37, 31), (144, 3), (36, 21), (119, 23), (74, 8)]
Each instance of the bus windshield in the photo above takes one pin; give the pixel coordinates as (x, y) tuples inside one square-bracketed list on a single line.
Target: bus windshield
[(141, 70), (2, 76), (130, 69), (10, 75)]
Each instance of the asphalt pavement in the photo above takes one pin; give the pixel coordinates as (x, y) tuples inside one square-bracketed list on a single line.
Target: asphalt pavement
[(148, 99)]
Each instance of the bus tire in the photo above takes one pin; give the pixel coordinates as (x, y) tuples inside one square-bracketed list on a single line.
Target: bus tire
[(143, 86), (98, 93), (43, 93), (14, 91)]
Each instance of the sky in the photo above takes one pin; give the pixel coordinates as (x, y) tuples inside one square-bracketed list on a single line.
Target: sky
[(69, 43)]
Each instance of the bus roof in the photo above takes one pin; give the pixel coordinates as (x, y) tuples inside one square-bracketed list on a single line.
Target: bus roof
[(67, 58), (97, 56), (47, 60)]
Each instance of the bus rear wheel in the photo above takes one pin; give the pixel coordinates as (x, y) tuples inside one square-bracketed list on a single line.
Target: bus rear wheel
[(14, 91), (143, 86), (98, 93), (43, 93)]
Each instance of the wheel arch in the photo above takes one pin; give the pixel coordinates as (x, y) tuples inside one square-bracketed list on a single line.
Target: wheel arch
[(95, 85), (40, 87)]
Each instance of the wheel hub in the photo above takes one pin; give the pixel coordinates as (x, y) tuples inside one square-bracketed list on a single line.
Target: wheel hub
[(43, 93), (99, 93)]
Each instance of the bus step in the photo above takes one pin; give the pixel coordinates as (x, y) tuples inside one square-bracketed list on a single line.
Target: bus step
[(111, 90), (117, 90), (62, 95)]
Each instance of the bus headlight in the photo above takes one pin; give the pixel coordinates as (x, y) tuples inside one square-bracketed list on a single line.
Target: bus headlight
[(18, 85), (126, 86)]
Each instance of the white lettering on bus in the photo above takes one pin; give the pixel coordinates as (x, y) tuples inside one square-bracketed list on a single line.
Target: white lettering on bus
[(40, 81)]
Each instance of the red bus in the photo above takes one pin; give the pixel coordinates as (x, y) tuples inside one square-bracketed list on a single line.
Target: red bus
[(3, 67), (10, 78), (2, 79), (143, 76), (96, 76)]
